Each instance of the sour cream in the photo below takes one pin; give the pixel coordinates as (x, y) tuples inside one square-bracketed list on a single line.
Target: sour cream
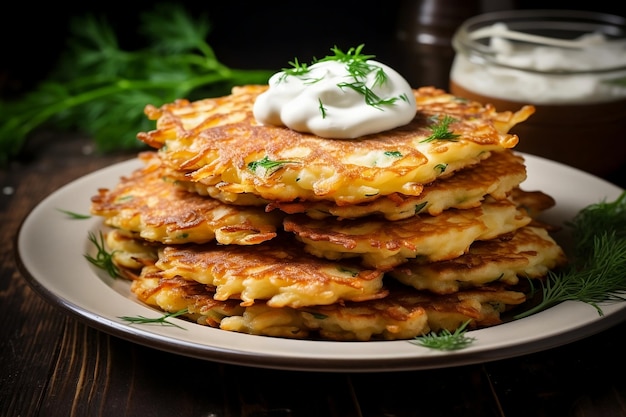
[(330, 101), (584, 70)]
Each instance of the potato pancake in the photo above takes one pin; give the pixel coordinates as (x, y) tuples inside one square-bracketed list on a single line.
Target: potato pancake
[(278, 271), (176, 294), (401, 315), (130, 254), (218, 142), (533, 202), (212, 190), (383, 245), (529, 252), (495, 176), (404, 314), (148, 204)]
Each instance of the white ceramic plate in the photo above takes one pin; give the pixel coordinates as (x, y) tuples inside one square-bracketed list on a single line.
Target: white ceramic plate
[(51, 246)]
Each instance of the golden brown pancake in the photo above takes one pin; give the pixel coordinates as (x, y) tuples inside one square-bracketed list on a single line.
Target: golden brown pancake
[(212, 190), (495, 176), (176, 294), (278, 271), (533, 202), (128, 253), (529, 252), (148, 204), (404, 314), (383, 245), (218, 142)]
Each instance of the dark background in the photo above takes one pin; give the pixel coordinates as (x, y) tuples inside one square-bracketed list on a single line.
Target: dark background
[(256, 34)]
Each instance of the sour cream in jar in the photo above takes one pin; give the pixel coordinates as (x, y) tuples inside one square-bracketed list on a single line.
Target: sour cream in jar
[(571, 65)]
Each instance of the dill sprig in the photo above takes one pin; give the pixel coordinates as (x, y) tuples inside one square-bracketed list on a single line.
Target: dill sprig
[(297, 69), (597, 272), (446, 340), (602, 216), (351, 56), (358, 68), (103, 259), (162, 320), (356, 64), (371, 98), (100, 89), (74, 215), (441, 129)]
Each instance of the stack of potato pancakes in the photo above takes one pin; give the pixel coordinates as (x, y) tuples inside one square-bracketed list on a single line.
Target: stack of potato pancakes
[(264, 230)]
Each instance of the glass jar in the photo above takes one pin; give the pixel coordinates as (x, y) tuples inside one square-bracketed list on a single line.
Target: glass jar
[(571, 65)]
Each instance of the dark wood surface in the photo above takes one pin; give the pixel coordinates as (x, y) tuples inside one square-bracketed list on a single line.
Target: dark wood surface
[(51, 364)]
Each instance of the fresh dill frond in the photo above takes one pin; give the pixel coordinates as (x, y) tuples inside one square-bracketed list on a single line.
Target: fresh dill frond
[(370, 97), (297, 70), (441, 129), (352, 55), (162, 320), (103, 259), (358, 68), (99, 88), (446, 340), (381, 78), (601, 216), (74, 215), (597, 271)]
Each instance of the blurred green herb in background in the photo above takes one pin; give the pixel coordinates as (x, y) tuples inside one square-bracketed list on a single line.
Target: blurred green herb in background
[(101, 90)]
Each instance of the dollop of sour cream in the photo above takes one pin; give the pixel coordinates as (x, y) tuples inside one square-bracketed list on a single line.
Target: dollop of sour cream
[(337, 99)]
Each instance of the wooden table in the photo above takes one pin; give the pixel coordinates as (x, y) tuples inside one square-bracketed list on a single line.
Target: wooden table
[(51, 364)]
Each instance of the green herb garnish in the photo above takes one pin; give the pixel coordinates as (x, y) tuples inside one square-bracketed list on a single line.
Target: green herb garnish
[(441, 129), (419, 207), (371, 99), (297, 69), (350, 272), (322, 109), (446, 340), (441, 168), (317, 316), (100, 89), (358, 69), (266, 166), (393, 154), (74, 215), (597, 272), (103, 259), (162, 320), (353, 57)]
